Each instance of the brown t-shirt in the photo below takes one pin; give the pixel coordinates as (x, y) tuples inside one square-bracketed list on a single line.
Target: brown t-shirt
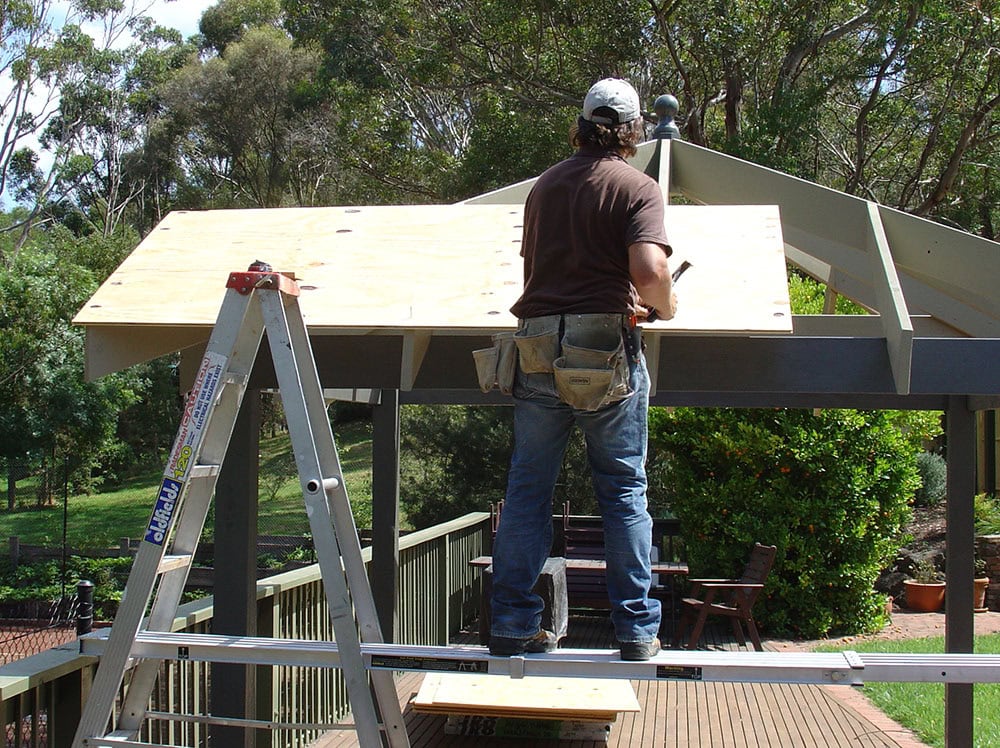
[(579, 221)]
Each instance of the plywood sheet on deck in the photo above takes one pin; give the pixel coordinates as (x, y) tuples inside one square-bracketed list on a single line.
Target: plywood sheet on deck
[(578, 699), (440, 267)]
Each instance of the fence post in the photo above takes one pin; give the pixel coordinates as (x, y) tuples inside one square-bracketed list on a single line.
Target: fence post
[(84, 607)]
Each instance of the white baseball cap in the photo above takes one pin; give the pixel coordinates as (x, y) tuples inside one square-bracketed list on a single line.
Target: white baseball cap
[(611, 101)]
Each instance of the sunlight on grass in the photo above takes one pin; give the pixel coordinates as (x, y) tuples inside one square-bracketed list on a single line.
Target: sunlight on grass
[(100, 520), (920, 706)]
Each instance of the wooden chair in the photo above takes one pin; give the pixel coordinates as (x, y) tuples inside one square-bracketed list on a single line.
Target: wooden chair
[(733, 598)]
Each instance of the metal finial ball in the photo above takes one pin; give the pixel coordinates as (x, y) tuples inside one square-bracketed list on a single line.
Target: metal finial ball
[(665, 105)]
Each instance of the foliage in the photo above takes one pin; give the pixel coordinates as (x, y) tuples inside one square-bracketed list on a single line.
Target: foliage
[(920, 706), (234, 117), (47, 410), (454, 461), (44, 581), (806, 296), (925, 572), (933, 471), (451, 461), (829, 489), (986, 510)]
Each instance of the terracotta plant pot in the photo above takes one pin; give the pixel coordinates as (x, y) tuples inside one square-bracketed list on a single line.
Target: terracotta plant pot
[(925, 597), (979, 594)]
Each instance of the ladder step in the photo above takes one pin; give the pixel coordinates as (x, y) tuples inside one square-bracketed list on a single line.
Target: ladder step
[(170, 563), (205, 471)]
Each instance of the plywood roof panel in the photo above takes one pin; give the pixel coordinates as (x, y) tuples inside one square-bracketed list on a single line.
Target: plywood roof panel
[(440, 268)]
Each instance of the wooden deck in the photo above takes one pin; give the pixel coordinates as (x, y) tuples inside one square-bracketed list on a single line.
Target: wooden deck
[(679, 714)]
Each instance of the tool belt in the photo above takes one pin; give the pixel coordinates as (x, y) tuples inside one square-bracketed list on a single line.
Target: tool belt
[(587, 355)]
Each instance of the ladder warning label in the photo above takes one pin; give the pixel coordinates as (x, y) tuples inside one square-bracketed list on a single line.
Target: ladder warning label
[(196, 409), (677, 672), (402, 662)]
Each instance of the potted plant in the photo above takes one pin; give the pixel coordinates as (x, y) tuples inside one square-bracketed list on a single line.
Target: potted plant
[(981, 582), (925, 592)]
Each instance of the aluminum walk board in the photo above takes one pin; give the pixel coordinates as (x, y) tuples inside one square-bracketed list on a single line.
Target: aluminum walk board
[(823, 668)]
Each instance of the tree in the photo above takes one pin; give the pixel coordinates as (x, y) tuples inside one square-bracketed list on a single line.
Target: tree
[(57, 82), (47, 410), (235, 115)]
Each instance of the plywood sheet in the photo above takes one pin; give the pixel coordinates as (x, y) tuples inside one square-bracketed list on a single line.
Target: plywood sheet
[(581, 699), (441, 268)]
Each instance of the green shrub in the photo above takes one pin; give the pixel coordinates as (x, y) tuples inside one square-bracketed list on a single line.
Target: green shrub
[(831, 490), (43, 580), (933, 471), (986, 510)]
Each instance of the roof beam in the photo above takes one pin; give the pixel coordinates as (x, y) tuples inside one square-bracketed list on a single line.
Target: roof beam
[(415, 344), (895, 318)]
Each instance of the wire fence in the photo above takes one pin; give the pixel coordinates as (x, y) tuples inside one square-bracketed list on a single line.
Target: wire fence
[(31, 630)]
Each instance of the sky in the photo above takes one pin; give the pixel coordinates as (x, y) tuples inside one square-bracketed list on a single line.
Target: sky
[(182, 15)]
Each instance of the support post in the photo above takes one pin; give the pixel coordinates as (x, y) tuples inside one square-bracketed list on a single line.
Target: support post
[(959, 554), (385, 509), (236, 571)]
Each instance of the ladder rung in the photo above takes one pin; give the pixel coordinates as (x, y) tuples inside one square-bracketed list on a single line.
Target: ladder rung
[(205, 471), (171, 562), (260, 724)]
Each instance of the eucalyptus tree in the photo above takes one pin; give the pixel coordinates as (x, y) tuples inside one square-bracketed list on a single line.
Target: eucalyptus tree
[(233, 116), (55, 76)]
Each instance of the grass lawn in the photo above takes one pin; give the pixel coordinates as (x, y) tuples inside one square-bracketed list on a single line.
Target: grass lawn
[(920, 706), (100, 520)]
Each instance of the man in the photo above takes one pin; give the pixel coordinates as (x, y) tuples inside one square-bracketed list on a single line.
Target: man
[(595, 262)]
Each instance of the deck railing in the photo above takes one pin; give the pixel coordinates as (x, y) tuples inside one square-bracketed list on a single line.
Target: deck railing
[(41, 696)]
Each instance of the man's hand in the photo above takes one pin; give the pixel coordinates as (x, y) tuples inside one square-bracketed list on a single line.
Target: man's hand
[(650, 274), (647, 313)]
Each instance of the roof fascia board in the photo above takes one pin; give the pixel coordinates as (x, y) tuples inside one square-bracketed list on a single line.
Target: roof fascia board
[(823, 364), (892, 306), (114, 348), (865, 326), (713, 400)]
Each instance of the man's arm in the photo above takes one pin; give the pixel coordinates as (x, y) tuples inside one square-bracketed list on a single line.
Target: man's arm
[(650, 274)]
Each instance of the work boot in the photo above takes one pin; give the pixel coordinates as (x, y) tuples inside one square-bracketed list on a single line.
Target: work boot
[(508, 646), (639, 651)]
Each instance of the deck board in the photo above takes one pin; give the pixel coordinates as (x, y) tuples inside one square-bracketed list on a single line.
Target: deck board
[(679, 714)]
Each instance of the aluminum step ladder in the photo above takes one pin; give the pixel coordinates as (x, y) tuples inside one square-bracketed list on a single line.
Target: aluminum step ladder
[(256, 301)]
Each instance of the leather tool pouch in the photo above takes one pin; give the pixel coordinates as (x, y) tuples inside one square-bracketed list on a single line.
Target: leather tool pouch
[(592, 371), (537, 342), (495, 366)]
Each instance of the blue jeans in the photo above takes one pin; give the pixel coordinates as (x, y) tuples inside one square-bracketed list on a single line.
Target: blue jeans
[(616, 450)]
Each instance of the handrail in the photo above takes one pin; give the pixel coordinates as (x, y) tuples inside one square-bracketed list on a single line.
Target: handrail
[(437, 594)]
